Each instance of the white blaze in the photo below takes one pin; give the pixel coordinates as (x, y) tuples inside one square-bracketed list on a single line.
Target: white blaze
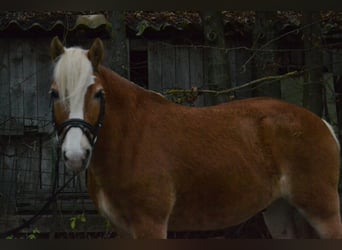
[(74, 143), (74, 74)]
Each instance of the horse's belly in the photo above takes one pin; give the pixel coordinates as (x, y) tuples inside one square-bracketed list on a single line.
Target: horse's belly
[(216, 213), (207, 221)]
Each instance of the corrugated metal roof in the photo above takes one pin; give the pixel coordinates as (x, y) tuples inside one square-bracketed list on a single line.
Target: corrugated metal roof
[(48, 21), (141, 22), (241, 22)]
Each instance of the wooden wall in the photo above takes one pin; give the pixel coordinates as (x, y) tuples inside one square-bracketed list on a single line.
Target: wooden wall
[(171, 67), (175, 66), (24, 83), (27, 143), (185, 66)]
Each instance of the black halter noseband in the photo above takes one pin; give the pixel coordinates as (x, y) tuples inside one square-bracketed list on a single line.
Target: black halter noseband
[(89, 130)]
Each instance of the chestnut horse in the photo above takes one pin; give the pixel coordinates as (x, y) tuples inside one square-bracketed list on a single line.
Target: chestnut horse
[(154, 165)]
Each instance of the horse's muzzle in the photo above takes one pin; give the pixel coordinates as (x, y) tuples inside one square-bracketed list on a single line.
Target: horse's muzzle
[(76, 161)]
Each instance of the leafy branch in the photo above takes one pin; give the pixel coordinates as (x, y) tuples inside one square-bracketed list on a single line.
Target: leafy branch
[(191, 94), (76, 219)]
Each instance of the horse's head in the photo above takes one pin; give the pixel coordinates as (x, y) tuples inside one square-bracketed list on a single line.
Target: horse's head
[(78, 101)]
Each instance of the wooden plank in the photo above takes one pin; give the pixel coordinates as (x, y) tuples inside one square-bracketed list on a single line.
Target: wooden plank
[(47, 165), (8, 180), (2, 181), (196, 67), (196, 72), (292, 90), (23, 172), (182, 68), (168, 66), (16, 88), (68, 202), (44, 80), (154, 66), (337, 62), (33, 166), (208, 99), (243, 74), (4, 177), (233, 67), (4, 87), (327, 60), (331, 100), (30, 83)]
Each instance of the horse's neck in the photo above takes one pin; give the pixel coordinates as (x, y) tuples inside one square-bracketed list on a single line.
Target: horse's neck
[(120, 90), (126, 103)]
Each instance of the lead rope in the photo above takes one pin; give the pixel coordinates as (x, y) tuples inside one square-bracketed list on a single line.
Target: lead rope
[(51, 199)]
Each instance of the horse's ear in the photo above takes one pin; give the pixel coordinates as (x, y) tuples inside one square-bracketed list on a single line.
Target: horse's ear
[(95, 53), (56, 48)]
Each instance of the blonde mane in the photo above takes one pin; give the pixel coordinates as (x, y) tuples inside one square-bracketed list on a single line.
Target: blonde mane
[(73, 74)]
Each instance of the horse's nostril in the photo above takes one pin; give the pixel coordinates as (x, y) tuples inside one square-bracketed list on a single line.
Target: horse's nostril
[(87, 153)]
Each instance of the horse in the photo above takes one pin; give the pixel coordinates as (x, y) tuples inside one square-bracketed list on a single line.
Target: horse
[(154, 166)]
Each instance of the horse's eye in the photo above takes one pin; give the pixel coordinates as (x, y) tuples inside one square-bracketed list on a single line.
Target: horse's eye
[(99, 94), (54, 94)]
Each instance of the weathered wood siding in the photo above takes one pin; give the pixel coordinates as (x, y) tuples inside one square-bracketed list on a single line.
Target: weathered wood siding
[(175, 67), (183, 67), (24, 83), (5, 108), (27, 145)]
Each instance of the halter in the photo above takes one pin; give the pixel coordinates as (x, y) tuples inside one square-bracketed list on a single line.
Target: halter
[(89, 130)]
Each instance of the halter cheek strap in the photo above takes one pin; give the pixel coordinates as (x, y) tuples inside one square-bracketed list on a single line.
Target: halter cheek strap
[(89, 130)]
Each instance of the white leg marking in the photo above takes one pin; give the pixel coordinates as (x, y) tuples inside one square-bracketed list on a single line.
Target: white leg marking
[(108, 211)]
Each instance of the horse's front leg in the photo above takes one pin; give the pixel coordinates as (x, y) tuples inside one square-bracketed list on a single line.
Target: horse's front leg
[(149, 229), (148, 220), (146, 228)]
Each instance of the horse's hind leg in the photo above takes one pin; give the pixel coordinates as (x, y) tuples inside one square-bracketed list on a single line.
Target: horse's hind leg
[(323, 215), (284, 222), (310, 183), (316, 198)]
